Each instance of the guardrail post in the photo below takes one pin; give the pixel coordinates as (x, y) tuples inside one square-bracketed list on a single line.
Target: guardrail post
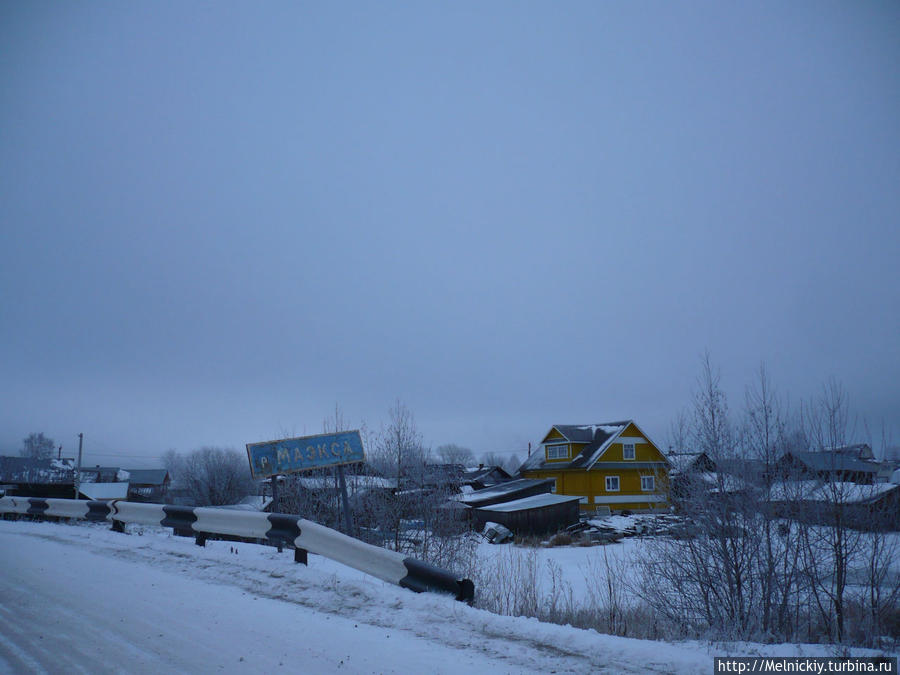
[(300, 556)]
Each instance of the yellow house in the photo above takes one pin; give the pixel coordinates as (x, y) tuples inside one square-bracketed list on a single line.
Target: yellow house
[(611, 465)]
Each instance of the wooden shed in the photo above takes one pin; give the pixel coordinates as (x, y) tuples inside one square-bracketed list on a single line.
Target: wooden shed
[(538, 514)]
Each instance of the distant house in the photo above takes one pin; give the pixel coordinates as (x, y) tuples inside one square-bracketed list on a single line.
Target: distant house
[(859, 451), (27, 477), (103, 474), (690, 462), (827, 465), (863, 506), (436, 477), (484, 476), (148, 485), (612, 465), (691, 474)]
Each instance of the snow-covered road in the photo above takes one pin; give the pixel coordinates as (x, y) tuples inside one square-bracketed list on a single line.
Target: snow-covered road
[(79, 598)]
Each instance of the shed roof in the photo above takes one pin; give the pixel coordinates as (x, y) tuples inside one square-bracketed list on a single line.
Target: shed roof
[(527, 503), (508, 489), (104, 490)]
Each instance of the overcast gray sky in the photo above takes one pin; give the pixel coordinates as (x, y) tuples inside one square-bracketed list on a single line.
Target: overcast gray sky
[(221, 219)]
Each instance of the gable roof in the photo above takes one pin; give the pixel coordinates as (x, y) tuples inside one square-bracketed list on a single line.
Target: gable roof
[(682, 462), (833, 461), (147, 476), (596, 437)]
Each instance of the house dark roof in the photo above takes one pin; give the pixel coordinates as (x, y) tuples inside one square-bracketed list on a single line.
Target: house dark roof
[(859, 450), (25, 470), (486, 476), (147, 476), (100, 474), (690, 461), (834, 461), (597, 436)]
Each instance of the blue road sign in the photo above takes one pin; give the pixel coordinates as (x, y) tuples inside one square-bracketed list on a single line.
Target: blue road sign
[(290, 455)]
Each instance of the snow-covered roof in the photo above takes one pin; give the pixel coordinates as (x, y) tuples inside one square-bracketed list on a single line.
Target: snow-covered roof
[(534, 502), (502, 489), (354, 482), (835, 461), (819, 491), (598, 438), (104, 490)]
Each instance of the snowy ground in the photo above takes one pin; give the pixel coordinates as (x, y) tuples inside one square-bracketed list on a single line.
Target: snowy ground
[(80, 598)]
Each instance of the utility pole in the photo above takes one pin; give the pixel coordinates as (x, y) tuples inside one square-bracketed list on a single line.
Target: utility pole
[(78, 467)]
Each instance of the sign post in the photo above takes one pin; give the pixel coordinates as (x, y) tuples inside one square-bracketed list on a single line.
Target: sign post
[(293, 455)]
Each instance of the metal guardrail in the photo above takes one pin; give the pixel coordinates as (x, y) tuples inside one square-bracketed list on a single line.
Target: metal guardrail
[(277, 528)]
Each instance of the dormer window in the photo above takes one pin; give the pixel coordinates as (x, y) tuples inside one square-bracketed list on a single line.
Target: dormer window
[(559, 451), (628, 450)]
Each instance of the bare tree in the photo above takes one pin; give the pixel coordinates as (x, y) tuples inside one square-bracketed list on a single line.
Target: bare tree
[(37, 446), (416, 518), (679, 437), (765, 438), (831, 549), (399, 454), (172, 462), (707, 578), (454, 454), (216, 476)]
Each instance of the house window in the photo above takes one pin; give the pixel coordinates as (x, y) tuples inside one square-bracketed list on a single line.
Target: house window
[(648, 483), (558, 451), (612, 483), (628, 450)]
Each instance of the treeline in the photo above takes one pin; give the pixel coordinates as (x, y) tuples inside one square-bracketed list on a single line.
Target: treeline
[(755, 564)]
